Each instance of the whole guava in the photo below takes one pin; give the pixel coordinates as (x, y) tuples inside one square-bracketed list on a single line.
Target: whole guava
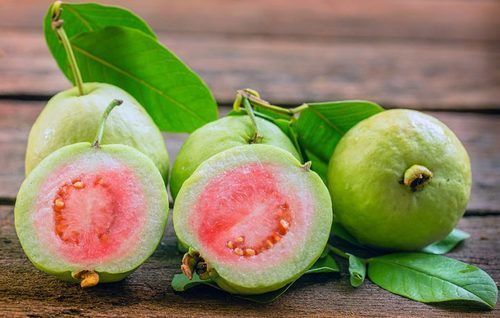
[(69, 118), (399, 180), (220, 135)]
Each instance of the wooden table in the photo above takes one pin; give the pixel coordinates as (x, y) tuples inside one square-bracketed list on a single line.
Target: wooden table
[(442, 57)]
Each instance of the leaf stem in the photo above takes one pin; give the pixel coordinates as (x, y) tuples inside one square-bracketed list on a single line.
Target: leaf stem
[(338, 251), (257, 136), (102, 122), (57, 26), (299, 109), (255, 100)]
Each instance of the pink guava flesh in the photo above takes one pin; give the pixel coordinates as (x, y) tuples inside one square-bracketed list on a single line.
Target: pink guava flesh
[(247, 214), (88, 218)]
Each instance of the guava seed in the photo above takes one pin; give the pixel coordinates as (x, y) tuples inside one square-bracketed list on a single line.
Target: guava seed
[(283, 212)]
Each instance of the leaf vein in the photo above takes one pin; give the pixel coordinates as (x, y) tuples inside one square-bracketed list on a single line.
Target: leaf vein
[(433, 276), (80, 17), (329, 123)]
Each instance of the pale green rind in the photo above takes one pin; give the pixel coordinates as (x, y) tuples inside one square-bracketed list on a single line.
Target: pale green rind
[(366, 169), (155, 195), (68, 118), (104, 277), (220, 135), (300, 181)]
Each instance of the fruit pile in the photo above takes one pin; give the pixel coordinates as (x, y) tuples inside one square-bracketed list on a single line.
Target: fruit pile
[(262, 195)]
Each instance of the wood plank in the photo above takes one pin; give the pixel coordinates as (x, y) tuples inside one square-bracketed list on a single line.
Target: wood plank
[(417, 75), (25, 291), (368, 20), (478, 132)]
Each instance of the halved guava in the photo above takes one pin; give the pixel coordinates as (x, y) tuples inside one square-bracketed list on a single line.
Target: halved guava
[(254, 217), (91, 210), (222, 134), (69, 118)]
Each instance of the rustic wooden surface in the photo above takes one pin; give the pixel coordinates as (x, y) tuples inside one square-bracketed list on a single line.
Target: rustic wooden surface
[(147, 292), (439, 56), (430, 54)]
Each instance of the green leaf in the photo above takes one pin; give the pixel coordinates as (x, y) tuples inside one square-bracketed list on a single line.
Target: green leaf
[(357, 270), (432, 278), (174, 96), (181, 283), (272, 114), (325, 264), (321, 125), (85, 17), (286, 126), (448, 243), (92, 16)]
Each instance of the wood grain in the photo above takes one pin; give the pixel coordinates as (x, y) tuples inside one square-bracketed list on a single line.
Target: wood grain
[(369, 20), (478, 132), (25, 291), (419, 75)]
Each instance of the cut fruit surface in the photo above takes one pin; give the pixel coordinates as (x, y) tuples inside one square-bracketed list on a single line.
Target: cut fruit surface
[(94, 214), (256, 216), (251, 217), (91, 209)]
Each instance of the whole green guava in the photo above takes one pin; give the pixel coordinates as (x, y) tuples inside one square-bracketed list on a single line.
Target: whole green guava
[(399, 180), (220, 135), (69, 118)]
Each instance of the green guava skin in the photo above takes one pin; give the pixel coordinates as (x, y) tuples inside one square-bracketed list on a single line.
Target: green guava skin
[(69, 118), (227, 277), (220, 135), (365, 174), (146, 172)]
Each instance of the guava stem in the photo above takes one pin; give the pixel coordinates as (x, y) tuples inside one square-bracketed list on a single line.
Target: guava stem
[(87, 278), (307, 166), (338, 251), (57, 25), (102, 122), (417, 177), (254, 99), (257, 136)]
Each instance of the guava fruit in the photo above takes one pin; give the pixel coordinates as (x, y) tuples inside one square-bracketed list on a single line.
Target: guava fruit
[(69, 118), (399, 180), (91, 213), (254, 218), (222, 134)]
